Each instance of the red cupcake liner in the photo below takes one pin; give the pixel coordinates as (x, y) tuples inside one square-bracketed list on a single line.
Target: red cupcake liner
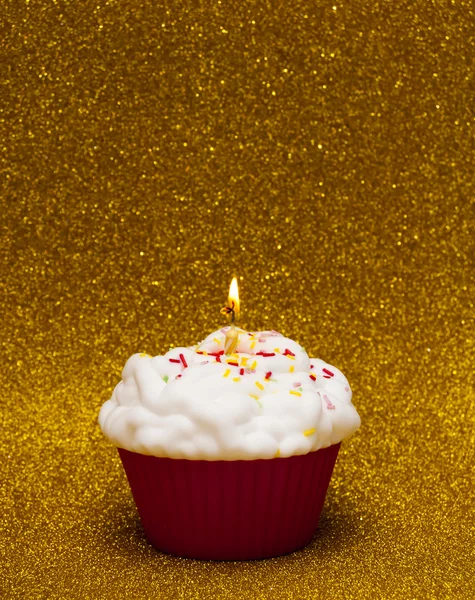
[(230, 510)]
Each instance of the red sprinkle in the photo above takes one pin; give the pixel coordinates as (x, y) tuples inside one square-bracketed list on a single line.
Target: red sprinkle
[(265, 353), (311, 366), (218, 358), (216, 353), (233, 364), (241, 371), (182, 358), (312, 377), (178, 376), (328, 372), (268, 375), (175, 360), (288, 352), (326, 377), (199, 352)]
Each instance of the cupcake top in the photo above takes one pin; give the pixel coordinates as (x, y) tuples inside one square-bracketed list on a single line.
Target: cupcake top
[(268, 399)]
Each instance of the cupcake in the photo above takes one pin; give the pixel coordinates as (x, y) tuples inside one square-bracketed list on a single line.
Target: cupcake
[(229, 456)]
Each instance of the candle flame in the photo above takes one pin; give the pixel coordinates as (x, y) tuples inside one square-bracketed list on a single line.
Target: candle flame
[(234, 296)]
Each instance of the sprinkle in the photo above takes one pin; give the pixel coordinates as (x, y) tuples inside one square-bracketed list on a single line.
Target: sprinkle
[(253, 345), (277, 350), (312, 377), (244, 360), (165, 378), (268, 375), (178, 376), (218, 358), (347, 389), (291, 356), (182, 358), (259, 385), (309, 431), (330, 406), (295, 393), (199, 352), (311, 366), (220, 353), (326, 377), (328, 372), (236, 379), (143, 354), (253, 366), (287, 352), (272, 379), (216, 340), (277, 454), (255, 397), (174, 360), (297, 384), (227, 373), (241, 371), (292, 369), (265, 354)]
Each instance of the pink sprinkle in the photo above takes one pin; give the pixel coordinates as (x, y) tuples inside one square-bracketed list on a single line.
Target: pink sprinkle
[(330, 406), (328, 372), (347, 389), (262, 340), (182, 358), (174, 360), (297, 384)]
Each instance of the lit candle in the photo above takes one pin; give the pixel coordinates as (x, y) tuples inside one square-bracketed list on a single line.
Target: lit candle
[(232, 311)]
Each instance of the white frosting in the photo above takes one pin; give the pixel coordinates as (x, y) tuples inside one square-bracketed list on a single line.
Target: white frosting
[(265, 406)]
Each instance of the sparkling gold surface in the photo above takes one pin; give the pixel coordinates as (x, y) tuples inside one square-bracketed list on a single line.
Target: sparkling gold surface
[(322, 151)]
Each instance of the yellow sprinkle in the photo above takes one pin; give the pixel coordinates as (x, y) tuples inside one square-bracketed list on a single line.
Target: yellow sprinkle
[(254, 365), (259, 385), (236, 379), (142, 354), (292, 369), (227, 373), (309, 431), (276, 349), (255, 397), (291, 357), (216, 340), (244, 360), (234, 355), (277, 454), (295, 393), (253, 345)]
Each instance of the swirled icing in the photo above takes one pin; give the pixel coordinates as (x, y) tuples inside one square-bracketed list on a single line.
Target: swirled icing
[(266, 400)]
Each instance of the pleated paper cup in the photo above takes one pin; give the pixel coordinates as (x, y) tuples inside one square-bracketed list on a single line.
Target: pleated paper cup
[(230, 510)]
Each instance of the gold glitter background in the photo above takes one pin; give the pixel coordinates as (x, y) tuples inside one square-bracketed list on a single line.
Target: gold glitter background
[(321, 150)]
